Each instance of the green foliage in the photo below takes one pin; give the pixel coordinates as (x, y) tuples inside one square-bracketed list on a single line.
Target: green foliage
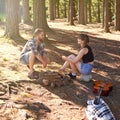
[(2, 17), (94, 9)]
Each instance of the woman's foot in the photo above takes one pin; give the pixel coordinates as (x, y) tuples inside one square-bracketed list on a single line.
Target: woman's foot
[(61, 72)]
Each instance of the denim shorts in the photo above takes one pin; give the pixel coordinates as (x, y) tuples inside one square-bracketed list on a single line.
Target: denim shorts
[(86, 69), (24, 59)]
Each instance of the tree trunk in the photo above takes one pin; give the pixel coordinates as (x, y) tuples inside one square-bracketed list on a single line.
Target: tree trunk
[(98, 20), (103, 9), (68, 10), (55, 10), (117, 13), (65, 9), (90, 14), (52, 9), (110, 11), (26, 13), (39, 15), (81, 10), (74, 12), (71, 12), (86, 16), (58, 8), (106, 16), (12, 18)]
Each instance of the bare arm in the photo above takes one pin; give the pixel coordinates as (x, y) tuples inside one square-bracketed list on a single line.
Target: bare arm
[(78, 57), (40, 58)]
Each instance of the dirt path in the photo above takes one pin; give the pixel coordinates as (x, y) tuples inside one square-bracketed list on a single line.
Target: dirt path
[(30, 100)]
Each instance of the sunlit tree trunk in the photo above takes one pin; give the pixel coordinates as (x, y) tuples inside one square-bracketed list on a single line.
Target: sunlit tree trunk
[(110, 11), (117, 13), (90, 11), (68, 10), (71, 12), (106, 16), (26, 13), (86, 16), (74, 12), (81, 10), (55, 10), (12, 18), (99, 19), (103, 7), (52, 9), (58, 8), (39, 15), (65, 9)]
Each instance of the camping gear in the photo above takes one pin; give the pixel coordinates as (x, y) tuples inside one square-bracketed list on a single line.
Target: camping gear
[(97, 109), (107, 87)]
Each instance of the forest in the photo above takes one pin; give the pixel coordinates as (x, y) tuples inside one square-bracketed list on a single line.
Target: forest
[(52, 95)]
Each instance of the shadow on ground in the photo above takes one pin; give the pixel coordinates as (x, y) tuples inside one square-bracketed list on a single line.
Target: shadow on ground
[(107, 68)]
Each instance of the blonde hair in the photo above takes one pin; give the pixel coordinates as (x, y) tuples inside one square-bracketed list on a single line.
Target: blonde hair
[(37, 32)]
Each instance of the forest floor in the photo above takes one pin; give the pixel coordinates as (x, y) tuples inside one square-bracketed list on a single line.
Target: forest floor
[(25, 99)]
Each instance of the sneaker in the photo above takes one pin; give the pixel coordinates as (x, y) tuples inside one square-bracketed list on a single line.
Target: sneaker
[(72, 76)]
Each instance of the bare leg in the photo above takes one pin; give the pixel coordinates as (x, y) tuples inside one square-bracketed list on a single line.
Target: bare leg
[(31, 61), (65, 65), (73, 68)]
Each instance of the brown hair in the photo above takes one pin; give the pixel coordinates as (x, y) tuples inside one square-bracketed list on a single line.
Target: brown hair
[(37, 32), (84, 38)]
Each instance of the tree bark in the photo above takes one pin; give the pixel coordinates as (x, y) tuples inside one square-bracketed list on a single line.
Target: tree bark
[(65, 9), (106, 16), (68, 10), (74, 12), (52, 9), (99, 19), (117, 13), (103, 9), (81, 10), (39, 15), (58, 8), (110, 11), (86, 16), (90, 13), (71, 12), (26, 13), (12, 18)]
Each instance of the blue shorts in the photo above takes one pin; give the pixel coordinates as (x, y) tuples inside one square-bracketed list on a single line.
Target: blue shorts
[(24, 59), (86, 69)]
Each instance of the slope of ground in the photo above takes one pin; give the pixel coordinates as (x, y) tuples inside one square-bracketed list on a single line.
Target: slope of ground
[(25, 99)]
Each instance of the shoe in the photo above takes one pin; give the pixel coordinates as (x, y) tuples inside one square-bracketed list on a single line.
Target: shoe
[(72, 76)]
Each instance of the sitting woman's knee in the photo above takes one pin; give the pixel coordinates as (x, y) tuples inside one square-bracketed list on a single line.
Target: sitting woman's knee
[(71, 56)]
